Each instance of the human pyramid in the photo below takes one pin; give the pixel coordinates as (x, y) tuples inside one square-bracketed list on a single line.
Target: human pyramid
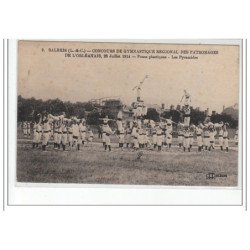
[(138, 133), (144, 133)]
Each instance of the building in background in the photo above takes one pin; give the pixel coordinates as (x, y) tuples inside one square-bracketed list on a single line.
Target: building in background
[(233, 111)]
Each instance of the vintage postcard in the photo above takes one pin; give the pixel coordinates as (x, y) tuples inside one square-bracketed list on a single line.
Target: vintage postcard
[(128, 113)]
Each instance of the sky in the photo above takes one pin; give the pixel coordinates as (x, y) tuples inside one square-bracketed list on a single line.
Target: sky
[(211, 80)]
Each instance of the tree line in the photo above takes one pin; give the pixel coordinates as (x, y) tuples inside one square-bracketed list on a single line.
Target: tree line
[(28, 108)]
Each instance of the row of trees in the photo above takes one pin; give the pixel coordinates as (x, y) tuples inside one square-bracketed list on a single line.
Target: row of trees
[(29, 107)]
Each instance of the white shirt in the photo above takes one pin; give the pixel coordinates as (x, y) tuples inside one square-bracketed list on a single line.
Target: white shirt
[(221, 132), (82, 127), (46, 127), (105, 128), (198, 131), (225, 134), (158, 131), (75, 129), (119, 115), (108, 131), (134, 131)]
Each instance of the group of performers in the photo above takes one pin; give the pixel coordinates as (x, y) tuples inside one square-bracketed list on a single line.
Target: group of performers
[(136, 133), (61, 131), (159, 135)]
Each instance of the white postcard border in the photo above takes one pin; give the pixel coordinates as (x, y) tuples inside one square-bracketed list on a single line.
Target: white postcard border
[(95, 194)]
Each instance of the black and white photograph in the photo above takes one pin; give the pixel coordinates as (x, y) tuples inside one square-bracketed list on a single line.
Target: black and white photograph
[(128, 113), (125, 125)]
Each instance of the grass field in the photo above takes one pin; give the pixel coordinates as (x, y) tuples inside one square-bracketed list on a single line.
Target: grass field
[(93, 165)]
